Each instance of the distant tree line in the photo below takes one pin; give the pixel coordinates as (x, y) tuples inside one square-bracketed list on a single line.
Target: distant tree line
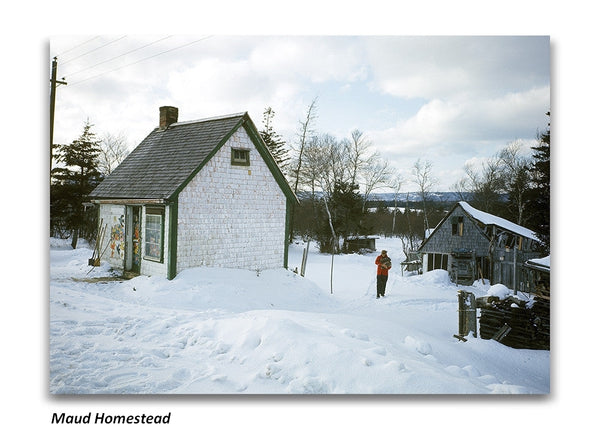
[(334, 180)]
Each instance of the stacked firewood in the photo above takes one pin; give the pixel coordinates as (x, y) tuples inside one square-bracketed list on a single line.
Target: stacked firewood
[(514, 323)]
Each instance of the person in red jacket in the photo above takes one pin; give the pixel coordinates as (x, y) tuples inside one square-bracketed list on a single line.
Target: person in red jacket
[(384, 263)]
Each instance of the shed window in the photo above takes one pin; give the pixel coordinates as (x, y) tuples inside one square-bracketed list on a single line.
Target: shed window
[(437, 261), (457, 226), (154, 232), (240, 157)]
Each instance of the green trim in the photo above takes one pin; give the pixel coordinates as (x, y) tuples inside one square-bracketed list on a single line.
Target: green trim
[(268, 159), (262, 149), (172, 263), (286, 242), (216, 149), (158, 211)]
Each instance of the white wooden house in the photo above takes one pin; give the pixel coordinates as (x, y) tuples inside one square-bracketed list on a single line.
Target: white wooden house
[(196, 193)]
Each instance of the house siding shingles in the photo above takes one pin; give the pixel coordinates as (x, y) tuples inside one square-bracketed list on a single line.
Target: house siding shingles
[(227, 216), (443, 241), (232, 213)]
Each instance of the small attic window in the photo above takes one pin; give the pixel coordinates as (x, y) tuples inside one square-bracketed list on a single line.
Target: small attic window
[(240, 157), (457, 225)]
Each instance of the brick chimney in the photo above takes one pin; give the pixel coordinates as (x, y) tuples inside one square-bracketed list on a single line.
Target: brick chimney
[(168, 116)]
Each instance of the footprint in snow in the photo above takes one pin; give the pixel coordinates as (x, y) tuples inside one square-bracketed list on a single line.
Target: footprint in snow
[(218, 378), (379, 350), (420, 346), (355, 335), (393, 364)]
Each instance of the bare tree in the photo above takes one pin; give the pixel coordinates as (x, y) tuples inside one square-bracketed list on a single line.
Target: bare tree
[(113, 150), (324, 165), (376, 174), (516, 177), (423, 178), (366, 167), (397, 183), (485, 184), (305, 134), (358, 154), (462, 190)]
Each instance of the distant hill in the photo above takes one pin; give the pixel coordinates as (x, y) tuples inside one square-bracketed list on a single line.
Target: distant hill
[(443, 198), (446, 196)]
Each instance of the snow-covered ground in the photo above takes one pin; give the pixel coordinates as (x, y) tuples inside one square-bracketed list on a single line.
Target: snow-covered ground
[(225, 331)]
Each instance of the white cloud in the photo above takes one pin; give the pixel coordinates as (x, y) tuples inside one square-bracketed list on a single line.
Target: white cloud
[(457, 67), (446, 99), (467, 124)]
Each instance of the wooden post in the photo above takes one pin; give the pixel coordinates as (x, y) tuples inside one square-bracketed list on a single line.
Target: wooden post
[(515, 270), (304, 258), (54, 83), (467, 315)]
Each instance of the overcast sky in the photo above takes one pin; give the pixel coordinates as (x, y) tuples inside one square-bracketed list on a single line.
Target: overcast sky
[(449, 100), (411, 96)]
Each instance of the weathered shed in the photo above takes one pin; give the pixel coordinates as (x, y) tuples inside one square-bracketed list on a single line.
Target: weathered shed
[(196, 193), (472, 244), (537, 272), (359, 244)]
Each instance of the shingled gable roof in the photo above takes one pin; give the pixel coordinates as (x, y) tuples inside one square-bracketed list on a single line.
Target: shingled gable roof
[(486, 219), (489, 219), (167, 159)]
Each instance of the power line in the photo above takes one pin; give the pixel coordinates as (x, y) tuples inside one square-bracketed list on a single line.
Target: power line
[(119, 56), (76, 46), (94, 50), (139, 61)]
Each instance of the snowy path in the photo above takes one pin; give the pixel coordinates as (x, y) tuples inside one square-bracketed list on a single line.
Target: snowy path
[(214, 331)]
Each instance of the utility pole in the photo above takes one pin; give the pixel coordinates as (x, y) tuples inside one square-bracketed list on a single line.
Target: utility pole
[(53, 83)]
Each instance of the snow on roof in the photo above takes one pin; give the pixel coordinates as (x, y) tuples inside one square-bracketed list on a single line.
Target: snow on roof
[(543, 263), (489, 219)]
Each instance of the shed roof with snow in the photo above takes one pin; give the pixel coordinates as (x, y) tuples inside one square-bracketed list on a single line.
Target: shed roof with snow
[(489, 219), (445, 239)]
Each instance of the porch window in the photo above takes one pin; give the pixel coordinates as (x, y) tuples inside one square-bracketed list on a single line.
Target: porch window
[(240, 157), (153, 237)]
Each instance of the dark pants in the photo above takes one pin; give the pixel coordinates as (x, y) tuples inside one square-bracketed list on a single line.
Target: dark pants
[(381, 282)]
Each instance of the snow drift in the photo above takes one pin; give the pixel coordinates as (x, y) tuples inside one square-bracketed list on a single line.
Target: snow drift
[(226, 331)]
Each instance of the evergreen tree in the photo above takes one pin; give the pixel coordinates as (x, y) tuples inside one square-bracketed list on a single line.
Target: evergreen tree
[(538, 198), (273, 141), (347, 217), (76, 176), (347, 206)]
